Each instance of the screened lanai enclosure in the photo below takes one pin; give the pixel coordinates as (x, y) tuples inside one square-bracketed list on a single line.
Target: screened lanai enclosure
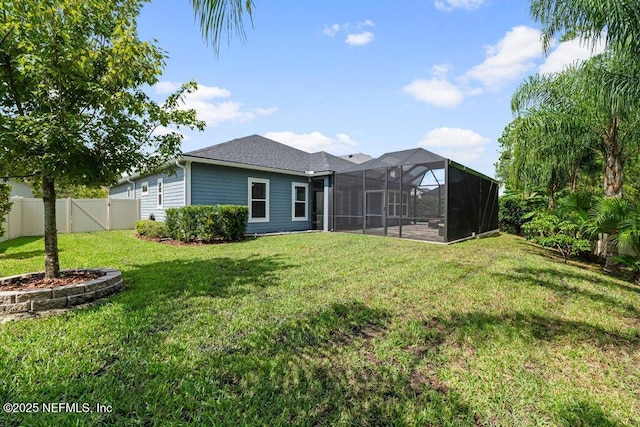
[(415, 194)]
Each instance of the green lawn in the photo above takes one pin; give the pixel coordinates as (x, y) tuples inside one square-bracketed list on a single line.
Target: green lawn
[(314, 329)]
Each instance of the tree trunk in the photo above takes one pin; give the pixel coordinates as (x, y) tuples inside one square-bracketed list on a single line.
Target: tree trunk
[(51, 262), (551, 189), (573, 181), (613, 164)]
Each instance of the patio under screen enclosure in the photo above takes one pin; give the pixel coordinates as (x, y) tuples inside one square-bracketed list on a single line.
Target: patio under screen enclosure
[(415, 194)]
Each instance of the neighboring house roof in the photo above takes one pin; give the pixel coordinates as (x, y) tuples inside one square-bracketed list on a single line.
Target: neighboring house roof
[(20, 189), (256, 150), (357, 157)]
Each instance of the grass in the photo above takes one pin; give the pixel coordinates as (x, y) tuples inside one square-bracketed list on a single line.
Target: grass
[(326, 329)]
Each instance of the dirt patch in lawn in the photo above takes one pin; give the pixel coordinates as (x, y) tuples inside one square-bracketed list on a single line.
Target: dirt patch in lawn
[(38, 281)]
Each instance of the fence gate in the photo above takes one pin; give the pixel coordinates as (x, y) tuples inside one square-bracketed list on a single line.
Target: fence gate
[(88, 215)]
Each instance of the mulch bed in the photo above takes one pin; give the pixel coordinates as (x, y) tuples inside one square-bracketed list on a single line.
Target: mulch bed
[(37, 281)]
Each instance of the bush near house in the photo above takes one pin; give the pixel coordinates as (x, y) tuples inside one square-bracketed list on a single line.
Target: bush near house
[(151, 229), (207, 223)]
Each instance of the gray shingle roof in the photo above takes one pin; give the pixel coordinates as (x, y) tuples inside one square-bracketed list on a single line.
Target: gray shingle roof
[(357, 157), (256, 150)]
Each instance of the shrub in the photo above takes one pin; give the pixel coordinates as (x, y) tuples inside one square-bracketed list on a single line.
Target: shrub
[(517, 208), (549, 230), (206, 223), (233, 221), (151, 229), (171, 222), (5, 205)]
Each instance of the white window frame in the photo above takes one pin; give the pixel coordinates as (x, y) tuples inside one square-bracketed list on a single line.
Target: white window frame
[(250, 199), (294, 201), (142, 186), (160, 193), (398, 202)]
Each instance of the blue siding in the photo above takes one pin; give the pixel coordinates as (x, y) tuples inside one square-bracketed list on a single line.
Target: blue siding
[(173, 193), (220, 185)]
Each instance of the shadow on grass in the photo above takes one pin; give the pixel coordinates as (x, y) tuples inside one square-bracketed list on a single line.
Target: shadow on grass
[(587, 415), (478, 328), (316, 368), (220, 277), (540, 277), (17, 243), (481, 326), (321, 368)]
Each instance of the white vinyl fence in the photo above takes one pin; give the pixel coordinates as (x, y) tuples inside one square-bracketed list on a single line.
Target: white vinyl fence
[(73, 216)]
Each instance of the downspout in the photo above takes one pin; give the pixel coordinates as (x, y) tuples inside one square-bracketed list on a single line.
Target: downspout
[(134, 197), (134, 187), (184, 182)]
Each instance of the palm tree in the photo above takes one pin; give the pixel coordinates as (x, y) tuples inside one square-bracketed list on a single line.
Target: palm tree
[(221, 16), (590, 20), (575, 107)]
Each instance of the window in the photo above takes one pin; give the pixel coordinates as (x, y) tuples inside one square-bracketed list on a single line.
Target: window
[(144, 188), (258, 200), (159, 194), (395, 203), (299, 197)]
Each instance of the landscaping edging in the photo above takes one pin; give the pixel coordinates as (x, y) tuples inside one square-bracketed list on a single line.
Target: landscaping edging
[(32, 300)]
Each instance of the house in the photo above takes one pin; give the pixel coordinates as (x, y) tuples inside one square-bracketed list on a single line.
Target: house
[(412, 193), (20, 189), (286, 189), (357, 157)]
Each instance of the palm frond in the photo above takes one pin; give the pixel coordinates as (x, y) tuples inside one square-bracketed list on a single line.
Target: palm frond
[(217, 17)]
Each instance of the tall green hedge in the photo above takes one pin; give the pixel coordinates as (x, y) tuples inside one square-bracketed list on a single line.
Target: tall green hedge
[(5, 205), (207, 223)]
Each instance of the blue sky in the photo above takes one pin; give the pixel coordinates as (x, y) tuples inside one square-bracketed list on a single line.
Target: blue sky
[(359, 76)]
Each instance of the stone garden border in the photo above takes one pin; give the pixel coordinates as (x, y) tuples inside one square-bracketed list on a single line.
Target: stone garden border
[(33, 300)]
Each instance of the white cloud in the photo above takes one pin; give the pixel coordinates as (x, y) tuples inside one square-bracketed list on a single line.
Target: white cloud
[(461, 145), (435, 91), (331, 30), (568, 53), (208, 92), (441, 70), (166, 87), (205, 101), (315, 141), (511, 58), (449, 5), (203, 92), (366, 23), (359, 39), (228, 111)]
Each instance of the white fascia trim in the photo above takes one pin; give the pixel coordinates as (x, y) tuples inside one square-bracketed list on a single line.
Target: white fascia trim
[(231, 165), (293, 201), (253, 167)]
